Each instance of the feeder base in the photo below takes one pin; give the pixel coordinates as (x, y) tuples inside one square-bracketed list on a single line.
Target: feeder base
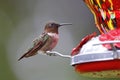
[(102, 74)]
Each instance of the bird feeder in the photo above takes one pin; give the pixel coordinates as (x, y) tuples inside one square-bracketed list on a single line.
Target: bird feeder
[(99, 56)]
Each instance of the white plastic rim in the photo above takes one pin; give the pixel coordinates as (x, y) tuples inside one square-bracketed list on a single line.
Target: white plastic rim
[(93, 57), (93, 51)]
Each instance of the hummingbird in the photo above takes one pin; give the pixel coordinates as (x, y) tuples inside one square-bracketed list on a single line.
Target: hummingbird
[(46, 41)]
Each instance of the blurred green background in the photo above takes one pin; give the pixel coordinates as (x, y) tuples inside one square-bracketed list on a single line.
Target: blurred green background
[(23, 20)]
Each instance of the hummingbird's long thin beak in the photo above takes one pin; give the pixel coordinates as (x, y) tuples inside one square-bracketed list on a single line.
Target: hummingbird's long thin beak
[(63, 24)]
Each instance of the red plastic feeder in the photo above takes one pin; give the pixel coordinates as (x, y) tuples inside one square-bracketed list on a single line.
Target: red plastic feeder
[(99, 56), (95, 60)]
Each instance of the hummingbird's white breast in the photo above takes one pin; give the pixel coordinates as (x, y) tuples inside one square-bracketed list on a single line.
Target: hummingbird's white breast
[(55, 39)]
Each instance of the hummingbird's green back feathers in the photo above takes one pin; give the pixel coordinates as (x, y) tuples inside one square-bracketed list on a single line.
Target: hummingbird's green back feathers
[(38, 44)]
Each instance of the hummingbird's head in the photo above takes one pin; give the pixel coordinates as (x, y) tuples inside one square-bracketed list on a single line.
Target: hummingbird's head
[(53, 27)]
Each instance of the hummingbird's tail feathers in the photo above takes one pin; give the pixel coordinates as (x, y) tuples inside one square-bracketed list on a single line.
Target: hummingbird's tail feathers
[(22, 57), (27, 54), (31, 52)]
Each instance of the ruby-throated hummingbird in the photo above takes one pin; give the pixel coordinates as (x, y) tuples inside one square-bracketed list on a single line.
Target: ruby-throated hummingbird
[(47, 40)]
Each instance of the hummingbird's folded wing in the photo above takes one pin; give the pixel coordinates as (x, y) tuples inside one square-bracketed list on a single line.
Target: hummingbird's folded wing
[(43, 37), (38, 44)]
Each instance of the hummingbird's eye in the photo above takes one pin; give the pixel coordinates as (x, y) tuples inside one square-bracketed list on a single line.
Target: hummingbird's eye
[(51, 25)]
